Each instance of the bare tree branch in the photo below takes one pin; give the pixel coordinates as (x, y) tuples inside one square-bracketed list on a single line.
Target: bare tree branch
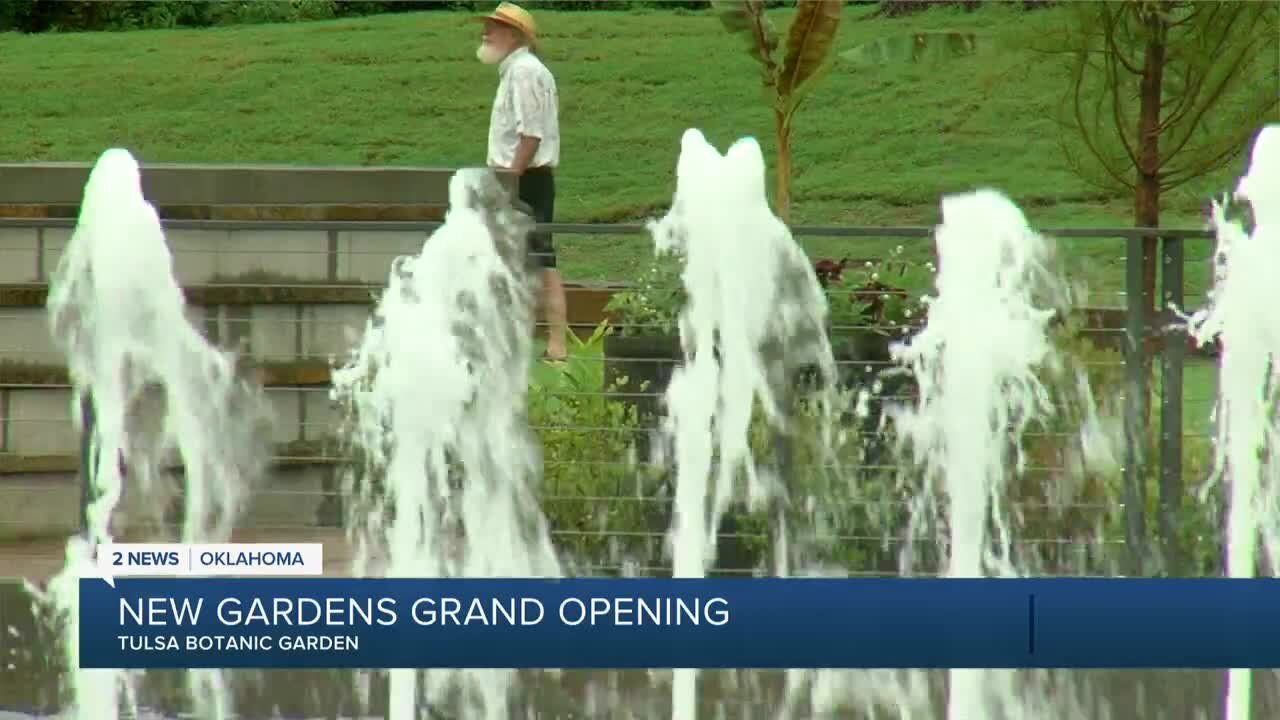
[(1109, 24), (1211, 52), (1196, 70), (1232, 68), (1088, 135), (1115, 84), (1224, 153)]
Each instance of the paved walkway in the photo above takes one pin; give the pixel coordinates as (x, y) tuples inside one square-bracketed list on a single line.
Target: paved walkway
[(38, 560)]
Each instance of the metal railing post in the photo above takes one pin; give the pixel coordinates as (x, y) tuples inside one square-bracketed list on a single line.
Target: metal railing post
[(779, 535), (87, 464), (1171, 383), (1134, 401)]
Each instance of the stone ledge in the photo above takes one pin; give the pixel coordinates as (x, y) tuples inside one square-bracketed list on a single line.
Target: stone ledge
[(301, 373), (168, 184), (427, 212), (302, 453), (267, 290), (271, 289)]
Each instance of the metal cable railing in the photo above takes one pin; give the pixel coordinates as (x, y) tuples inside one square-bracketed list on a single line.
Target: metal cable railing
[(608, 506)]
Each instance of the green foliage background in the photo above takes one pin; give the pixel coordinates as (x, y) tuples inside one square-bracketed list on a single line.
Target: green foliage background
[(55, 15)]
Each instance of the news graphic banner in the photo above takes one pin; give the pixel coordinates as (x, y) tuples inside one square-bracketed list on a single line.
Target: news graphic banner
[(661, 623), (210, 559)]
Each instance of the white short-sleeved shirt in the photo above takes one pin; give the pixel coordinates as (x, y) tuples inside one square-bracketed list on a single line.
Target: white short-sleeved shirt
[(526, 104)]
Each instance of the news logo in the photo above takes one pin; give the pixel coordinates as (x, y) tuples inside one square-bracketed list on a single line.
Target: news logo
[(208, 560)]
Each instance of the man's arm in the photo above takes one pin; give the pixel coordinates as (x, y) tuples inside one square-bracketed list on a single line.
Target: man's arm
[(525, 151)]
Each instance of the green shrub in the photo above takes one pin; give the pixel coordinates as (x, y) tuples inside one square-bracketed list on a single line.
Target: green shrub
[(44, 15), (844, 508), (1085, 503), (1064, 512), (252, 12), (840, 505), (651, 307), (92, 15), (40, 16), (600, 504)]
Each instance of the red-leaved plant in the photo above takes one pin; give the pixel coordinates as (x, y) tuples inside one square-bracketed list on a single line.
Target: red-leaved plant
[(858, 297)]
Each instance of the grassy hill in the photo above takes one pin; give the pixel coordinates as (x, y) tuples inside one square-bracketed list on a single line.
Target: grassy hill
[(873, 145)]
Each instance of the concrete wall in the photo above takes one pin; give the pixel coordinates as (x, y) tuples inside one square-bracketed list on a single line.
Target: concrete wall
[(39, 420), (39, 441)]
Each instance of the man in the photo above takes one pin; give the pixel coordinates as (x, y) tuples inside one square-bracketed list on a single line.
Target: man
[(524, 137)]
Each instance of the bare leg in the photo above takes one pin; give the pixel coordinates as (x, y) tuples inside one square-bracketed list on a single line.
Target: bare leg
[(554, 311)]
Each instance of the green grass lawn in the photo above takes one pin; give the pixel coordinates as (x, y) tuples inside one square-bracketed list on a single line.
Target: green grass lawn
[(874, 146)]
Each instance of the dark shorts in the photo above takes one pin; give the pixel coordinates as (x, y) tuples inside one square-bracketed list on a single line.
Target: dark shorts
[(537, 189)]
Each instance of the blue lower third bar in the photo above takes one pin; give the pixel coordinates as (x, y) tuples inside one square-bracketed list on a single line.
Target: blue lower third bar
[(659, 623)]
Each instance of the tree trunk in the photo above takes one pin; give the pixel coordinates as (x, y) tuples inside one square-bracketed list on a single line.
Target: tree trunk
[(1147, 190), (783, 188), (1146, 210)]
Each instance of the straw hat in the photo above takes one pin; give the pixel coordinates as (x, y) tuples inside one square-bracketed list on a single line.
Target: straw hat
[(513, 15)]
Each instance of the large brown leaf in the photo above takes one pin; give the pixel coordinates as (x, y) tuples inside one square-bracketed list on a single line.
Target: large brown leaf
[(747, 19), (808, 51)]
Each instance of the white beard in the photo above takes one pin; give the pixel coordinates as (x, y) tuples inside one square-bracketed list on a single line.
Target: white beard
[(488, 54)]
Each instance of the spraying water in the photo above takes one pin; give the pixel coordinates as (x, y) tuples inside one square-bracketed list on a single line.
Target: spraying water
[(436, 392), (975, 363), (119, 316), (755, 312), (1242, 315)]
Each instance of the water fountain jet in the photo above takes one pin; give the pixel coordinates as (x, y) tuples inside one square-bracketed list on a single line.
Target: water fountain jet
[(118, 314), (436, 395), (975, 363), (1241, 315), (755, 313)]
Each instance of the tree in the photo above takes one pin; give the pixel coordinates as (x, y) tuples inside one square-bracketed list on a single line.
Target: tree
[(1162, 92), (789, 78)]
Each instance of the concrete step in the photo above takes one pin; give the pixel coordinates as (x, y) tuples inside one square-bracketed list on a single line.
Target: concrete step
[(208, 255), (38, 420), (270, 320), (275, 332), (40, 446), (45, 501)]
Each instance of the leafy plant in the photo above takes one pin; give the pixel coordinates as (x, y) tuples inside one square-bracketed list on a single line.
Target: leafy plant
[(850, 508), (652, 306), (789, 78), (880, 295), (597, 502)]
